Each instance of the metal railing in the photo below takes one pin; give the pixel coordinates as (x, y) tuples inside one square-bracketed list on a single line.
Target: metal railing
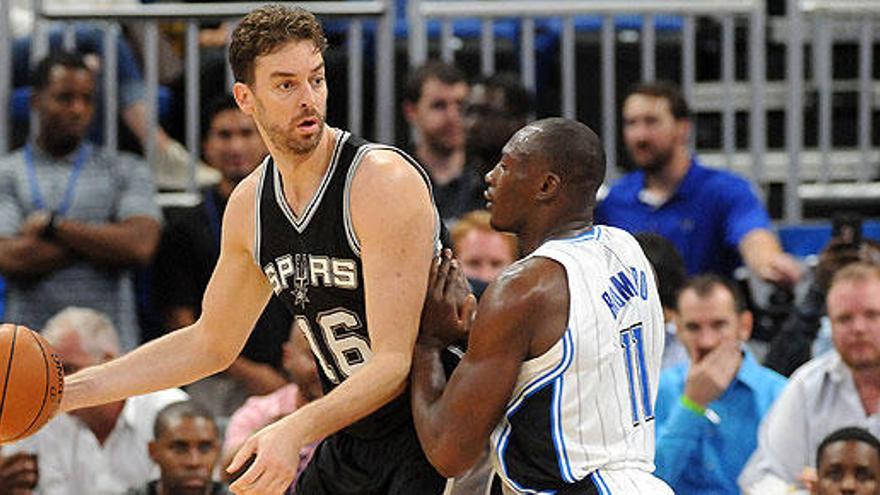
[(825, 15), (381, 11), (729, 12), (726, 96)]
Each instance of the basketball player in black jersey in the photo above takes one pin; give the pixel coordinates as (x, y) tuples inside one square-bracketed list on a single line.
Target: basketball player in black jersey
[(343, 232)]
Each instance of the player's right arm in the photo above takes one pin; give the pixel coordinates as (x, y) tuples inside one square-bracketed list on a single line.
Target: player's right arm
[(233, 300)]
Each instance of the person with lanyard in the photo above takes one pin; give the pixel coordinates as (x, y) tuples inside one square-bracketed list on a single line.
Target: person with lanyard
[(74, 218), (189, 250)]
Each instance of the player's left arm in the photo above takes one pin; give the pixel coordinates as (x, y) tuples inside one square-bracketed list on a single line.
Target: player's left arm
[(515, 314)]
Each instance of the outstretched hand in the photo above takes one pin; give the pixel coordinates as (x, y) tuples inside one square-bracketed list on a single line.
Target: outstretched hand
[(449, 304)]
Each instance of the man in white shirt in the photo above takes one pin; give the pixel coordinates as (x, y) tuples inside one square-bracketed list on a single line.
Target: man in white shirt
[(837, 389), (98, 450)]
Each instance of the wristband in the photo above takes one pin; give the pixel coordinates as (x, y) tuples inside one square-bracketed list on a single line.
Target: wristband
[(692, 406)]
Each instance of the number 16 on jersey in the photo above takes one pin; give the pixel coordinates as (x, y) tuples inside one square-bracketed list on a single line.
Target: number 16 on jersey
[(637, 374)]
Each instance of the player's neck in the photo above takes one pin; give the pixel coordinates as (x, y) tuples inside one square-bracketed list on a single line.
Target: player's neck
[(531, 239), (301, 175), (665, 180)]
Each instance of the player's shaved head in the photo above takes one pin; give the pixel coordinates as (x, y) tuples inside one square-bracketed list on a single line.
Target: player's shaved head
[(567, 148)]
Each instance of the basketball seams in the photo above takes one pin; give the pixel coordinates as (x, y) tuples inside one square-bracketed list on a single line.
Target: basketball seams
[(45, 390), (8, 372)]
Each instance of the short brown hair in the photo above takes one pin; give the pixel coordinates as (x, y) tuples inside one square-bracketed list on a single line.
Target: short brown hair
[(668, 91), (479, 220), (267, 29)]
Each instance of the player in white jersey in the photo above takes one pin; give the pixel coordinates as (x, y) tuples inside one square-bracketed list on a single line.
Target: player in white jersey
[(564, 351)]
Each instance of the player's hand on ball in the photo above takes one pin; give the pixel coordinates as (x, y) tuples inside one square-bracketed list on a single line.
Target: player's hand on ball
[(275, 452), (449, 304)]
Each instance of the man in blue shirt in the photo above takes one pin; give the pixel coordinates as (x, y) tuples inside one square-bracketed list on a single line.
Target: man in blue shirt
[(708, 410), (712, 216)]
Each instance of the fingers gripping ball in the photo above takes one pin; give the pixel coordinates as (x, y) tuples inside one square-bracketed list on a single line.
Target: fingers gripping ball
[(31, 382)]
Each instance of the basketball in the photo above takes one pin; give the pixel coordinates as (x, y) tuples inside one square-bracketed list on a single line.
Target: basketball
[(31, 382)]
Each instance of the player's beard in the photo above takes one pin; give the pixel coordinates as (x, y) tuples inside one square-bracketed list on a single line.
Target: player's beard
[(284, 136)]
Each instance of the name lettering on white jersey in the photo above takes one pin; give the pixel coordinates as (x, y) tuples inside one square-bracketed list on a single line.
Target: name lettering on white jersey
[(624, 287)]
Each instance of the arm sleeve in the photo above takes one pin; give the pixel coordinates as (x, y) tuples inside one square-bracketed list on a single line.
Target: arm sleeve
[(782, 441), (137, 192), (745, 212)]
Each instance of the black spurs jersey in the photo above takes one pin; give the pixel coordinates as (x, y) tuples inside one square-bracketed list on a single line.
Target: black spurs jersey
[(313, 264)]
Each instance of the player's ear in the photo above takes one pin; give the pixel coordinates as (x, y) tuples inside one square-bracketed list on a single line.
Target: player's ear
[(549, 186), (244, 97)]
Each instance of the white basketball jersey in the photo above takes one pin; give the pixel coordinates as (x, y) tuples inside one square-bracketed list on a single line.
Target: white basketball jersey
[(587, 404)]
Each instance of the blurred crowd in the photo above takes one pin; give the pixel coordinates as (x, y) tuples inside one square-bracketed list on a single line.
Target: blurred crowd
[(751, 400)]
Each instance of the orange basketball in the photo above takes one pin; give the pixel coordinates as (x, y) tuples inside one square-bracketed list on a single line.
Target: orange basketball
[(31, 382)]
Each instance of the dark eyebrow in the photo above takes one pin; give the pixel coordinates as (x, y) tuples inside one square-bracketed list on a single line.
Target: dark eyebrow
[(318, 67)]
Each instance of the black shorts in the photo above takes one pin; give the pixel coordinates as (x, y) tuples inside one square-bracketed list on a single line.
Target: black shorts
[(391, 465)]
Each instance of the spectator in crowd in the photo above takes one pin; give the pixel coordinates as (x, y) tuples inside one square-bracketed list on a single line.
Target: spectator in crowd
[(708, 410), (18, 473), (839, 388), (74, 218), (848, 463), (171, 163), (186, 447), (712, 216), (97, 449), (497, 107), (258, 412), (482, 251), (806, 331), (189, 250), (669, 272), (433, 104)]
